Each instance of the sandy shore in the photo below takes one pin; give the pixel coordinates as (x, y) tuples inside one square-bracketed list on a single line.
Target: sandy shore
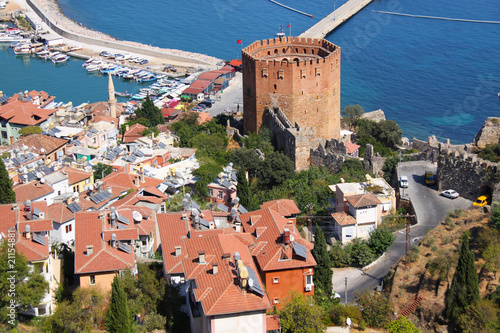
[(53, 11)]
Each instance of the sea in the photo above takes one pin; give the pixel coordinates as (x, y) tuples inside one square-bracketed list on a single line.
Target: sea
[(433, 77)]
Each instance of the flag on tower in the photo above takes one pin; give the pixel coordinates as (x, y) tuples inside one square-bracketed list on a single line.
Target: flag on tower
[(239, 41), (289, 25)]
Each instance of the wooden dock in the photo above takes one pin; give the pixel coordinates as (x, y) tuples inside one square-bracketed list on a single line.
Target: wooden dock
[(335, 19)]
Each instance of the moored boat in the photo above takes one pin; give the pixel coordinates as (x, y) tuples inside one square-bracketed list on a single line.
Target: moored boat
[(60, 58)]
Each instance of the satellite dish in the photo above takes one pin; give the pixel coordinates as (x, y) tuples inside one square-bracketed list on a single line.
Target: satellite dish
[(236, 200), (42, 150), (91, 187), (292, 238), (348, 322), (137, 216), (40, 162), (42, 180), (39, 175)]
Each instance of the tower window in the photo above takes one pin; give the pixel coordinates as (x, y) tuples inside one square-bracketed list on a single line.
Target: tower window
[(275, 87)]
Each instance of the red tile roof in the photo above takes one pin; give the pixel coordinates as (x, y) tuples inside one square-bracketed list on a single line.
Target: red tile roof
[(362, 200), (269, 250), (60, 213), (128, 180), (218, 293), (343, 218), (31, 191), (172, 229), (88, 230), (35, 225), (284, 207), (76, 175), (24, 113), (272, 322), (45, 97), (39, 141), (133, 133), (351, 147), (235, 62)]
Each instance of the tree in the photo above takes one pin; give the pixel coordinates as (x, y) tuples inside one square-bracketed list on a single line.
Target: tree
[(82, 314), (375, 308), (495, 215), (479, 317), (30, 130), (275, 170), (351, 113), (243, 190), (101, 171), (464, 289), (30, 285), (300, 314), (119, 319), (248, 159), (441, 265), (207, 173), (7, 194), (151, 287), (380, 240), (491, 256), (363, 255), (323, 270), (402, 325), (151, 112)]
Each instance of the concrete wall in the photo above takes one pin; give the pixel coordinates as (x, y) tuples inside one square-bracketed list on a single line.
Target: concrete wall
[(239, 323), (105, 43)]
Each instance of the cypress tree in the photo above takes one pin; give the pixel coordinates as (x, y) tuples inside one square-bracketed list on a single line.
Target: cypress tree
[(243, 190), (464, 290), (323, 271), (151, 112), (119, 320), (7, 194)]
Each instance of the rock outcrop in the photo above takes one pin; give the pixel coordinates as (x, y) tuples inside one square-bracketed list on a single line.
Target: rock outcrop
[(489, 133)]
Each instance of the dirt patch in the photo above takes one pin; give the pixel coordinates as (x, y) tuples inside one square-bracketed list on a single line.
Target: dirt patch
[(442, 244)]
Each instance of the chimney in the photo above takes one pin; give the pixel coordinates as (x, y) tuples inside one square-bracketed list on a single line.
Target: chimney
[(142, 175), (286, 236), (178, 251), (201, 257), (136, 182), (127, 127), (215, 268), (90, 249)]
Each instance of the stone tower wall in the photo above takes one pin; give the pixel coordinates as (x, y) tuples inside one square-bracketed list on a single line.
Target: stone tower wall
[(300, 76)]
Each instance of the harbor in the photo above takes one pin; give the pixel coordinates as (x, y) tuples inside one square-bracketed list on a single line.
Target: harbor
[(335, 19)]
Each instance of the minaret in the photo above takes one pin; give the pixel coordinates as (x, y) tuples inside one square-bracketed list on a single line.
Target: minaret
[(111, 97)]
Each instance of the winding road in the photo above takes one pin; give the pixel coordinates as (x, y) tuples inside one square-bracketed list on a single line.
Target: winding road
[(430, 209)]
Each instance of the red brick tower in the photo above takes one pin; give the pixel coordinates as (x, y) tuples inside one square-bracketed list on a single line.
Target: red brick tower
[(301, 76)]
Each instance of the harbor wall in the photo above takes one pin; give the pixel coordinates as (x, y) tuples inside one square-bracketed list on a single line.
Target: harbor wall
[(110, 44)]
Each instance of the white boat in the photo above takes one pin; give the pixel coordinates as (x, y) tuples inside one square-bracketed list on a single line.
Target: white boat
[(5, 38), (93, 67), (42, 53), (23, 49), (60, 58)]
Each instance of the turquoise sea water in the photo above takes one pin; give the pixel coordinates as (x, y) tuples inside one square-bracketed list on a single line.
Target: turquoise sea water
[(431, 76)]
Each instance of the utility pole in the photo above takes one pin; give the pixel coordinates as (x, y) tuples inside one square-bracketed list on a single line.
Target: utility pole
[(345, 292), (408, 241), (310, 205)]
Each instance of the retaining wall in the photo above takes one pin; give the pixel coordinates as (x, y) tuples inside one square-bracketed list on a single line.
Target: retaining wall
[(109, 44)]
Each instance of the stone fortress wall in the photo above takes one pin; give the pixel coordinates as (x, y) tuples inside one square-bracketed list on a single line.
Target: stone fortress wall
[(300, 76)]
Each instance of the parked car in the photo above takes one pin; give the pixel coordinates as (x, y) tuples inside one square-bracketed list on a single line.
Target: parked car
[(143, 61), (403, 182), (482, 201), (452, 194)]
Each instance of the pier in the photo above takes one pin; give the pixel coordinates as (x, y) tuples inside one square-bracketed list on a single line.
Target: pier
[(335, 19)]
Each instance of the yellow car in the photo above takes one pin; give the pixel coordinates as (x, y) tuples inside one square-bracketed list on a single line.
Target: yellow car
[(482, 201)]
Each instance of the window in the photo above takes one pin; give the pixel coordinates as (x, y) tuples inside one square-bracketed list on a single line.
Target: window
[(4, 135), (92, 279), (276, 301), (276, 280), (69, 228), (103, 137), (220, 194), (88, 180), (309, 279), (210, 193)]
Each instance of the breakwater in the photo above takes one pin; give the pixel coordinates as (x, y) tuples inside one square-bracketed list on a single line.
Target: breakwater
[(335, 19), (189, 59), (437, 17)]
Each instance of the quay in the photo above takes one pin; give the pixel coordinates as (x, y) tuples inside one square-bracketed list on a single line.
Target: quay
[(335, 19)]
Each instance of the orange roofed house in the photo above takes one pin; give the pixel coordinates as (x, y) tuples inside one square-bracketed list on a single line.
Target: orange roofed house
[(225, 292), (283, 257), (29, 227), (22, 110)]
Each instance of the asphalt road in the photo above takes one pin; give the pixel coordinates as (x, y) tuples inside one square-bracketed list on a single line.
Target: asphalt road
[(430, 208), (230, 98)]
